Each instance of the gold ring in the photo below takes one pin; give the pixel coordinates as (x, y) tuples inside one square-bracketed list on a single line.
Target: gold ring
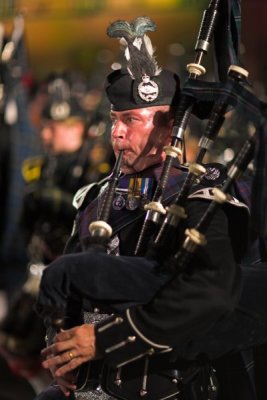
[(70, 355)]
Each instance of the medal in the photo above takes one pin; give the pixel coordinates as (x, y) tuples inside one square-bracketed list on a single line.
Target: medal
[(138, 192), (143, 202), (119, 202), (132, 203), (134, 193)]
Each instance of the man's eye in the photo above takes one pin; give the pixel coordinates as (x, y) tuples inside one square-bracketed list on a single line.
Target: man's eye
[(131, 120)]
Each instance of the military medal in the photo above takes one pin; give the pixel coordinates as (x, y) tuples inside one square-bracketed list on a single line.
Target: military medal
[(118, 202), (138, 192), (146, 189), (132, 203), (134, 194)]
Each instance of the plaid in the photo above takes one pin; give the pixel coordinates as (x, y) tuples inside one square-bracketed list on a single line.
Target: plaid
[(234, 93), (227, 36)]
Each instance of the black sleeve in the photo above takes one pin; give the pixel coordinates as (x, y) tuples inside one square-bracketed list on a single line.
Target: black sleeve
[(188, 305)]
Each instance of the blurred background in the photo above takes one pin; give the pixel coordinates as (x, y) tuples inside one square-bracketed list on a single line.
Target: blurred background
[(54, 56), (72, 34)]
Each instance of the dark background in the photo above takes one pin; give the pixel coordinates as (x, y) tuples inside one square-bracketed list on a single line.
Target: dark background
[(64, 34)]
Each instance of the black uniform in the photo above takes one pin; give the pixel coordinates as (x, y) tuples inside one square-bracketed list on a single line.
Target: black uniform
[(109, 283)]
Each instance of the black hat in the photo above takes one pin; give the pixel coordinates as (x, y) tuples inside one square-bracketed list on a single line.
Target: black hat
[(122, 90), (143, 83), (61, 104)]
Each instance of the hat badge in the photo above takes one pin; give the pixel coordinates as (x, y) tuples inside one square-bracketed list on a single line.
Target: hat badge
[(60, 110), (148, 90)]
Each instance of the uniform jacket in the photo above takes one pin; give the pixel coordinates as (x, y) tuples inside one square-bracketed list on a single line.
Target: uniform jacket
[(213, 272), (155, 311)]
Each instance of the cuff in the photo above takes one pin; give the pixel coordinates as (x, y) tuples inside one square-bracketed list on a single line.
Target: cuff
[(121, 342)]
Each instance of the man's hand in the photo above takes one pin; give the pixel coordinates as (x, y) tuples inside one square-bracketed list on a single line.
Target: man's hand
[(71, 348), (66, 383)]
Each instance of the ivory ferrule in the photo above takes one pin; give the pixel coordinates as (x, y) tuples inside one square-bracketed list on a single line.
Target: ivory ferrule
[(100, 228), (196, 69), (197, 169), (156, 207), (219, 196), (172, 151)]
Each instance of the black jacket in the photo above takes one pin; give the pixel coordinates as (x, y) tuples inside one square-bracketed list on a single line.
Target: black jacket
[(179, 306)]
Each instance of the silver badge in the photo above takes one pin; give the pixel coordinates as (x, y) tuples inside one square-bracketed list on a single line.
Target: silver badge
[(212, 174), (148, 90), (60, 111), (118, 202)]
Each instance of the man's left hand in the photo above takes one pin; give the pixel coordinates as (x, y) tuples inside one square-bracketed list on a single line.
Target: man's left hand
[(70, 349)]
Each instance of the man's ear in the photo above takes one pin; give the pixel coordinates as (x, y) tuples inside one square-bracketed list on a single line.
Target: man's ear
[(163, 118)]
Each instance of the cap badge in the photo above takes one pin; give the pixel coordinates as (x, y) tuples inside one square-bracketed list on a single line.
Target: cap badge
[(60, 110), (148, 90)]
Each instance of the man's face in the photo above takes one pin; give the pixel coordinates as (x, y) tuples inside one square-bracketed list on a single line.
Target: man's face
[(62, 137), (141, 134)]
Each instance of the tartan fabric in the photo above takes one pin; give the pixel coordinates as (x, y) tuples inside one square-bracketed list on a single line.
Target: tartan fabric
[(234, 93), (227, 36)]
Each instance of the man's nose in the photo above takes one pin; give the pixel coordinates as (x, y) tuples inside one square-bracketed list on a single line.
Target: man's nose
[(118, 130), (46, 134)]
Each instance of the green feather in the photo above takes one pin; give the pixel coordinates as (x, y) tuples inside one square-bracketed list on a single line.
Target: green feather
[(143, 24)]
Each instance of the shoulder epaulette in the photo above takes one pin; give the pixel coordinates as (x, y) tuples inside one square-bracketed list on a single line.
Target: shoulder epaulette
[(81, 194), (215, 175), (207, 194)]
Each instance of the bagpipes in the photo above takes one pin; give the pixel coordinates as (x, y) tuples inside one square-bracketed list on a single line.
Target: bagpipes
[(186, 103), (100, 231), (176, 211)]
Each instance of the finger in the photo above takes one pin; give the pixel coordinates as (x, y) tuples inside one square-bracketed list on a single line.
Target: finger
[(65, 391), (67, 380), (56, 348), (64, 334), (64, 369), (66, 384), (59, 359)]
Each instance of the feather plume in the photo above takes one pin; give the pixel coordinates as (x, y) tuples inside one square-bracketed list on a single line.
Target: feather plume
[(141, 25), (139, 51)]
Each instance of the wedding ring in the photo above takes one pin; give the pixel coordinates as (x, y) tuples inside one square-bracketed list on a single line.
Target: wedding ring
[(70, 355)]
